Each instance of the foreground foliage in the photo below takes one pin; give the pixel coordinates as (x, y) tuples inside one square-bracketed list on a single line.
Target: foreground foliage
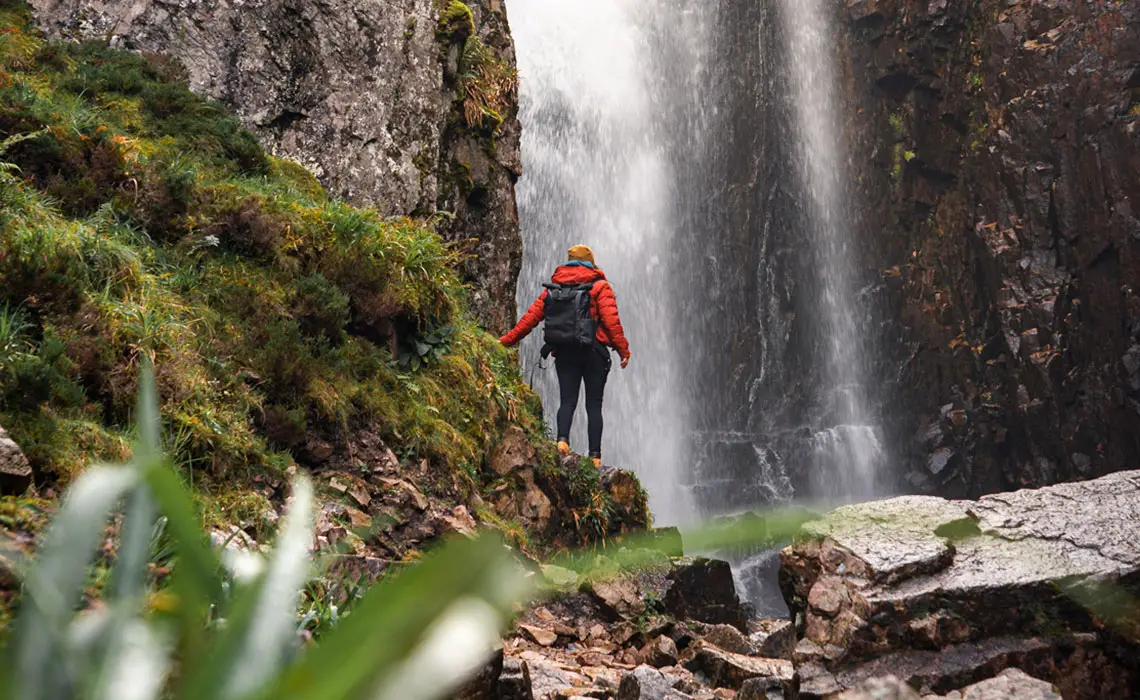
[(227, 627)]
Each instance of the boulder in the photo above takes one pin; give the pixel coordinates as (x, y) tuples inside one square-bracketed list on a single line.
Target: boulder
[(10, 574), (772, 639), (704, 590), (548, 679), (15, 471), (729, 638), (727, 670), (1010, 683), (647, 683), (943, 593), (619, 598), (660, 652), (523, 500)]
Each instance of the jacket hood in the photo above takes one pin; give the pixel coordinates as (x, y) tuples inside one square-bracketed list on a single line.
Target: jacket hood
[(577, 274)]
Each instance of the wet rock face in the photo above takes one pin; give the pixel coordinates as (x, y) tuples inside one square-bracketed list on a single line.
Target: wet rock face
[(998, 156), (364, 94), (946, 593)]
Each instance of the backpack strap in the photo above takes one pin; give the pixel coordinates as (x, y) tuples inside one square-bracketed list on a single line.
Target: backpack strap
[(585, 286)]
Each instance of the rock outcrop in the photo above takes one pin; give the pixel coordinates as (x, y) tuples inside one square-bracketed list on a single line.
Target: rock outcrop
[(998, 171), (406, 105), (15, 471), (946, 593)]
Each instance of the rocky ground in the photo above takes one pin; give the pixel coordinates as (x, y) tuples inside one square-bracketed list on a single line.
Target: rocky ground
[(1027, 595)]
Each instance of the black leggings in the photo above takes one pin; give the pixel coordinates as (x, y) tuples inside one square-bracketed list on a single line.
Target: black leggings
[(575, 367)]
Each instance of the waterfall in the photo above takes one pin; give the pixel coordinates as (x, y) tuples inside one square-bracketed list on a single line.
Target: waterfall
[(852, 451), (698, 148), (603, 85)]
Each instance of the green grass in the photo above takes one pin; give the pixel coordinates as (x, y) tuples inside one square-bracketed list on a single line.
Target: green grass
[(140, 221)]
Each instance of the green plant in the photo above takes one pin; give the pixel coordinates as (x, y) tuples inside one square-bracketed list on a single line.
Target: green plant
[(229, 624), (422, 349), (487, 85)]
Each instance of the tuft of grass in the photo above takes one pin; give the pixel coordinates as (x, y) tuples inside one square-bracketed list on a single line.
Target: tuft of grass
[(487, 86)]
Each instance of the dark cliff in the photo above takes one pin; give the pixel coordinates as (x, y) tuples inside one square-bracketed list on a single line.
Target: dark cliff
[(999, 167), (407, 106)]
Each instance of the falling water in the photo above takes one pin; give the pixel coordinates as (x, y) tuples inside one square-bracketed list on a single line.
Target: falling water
[(603, 85), (849, 455), (697, 147)]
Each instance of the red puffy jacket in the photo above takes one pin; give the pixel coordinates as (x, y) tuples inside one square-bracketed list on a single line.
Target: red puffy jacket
[(603, 305)]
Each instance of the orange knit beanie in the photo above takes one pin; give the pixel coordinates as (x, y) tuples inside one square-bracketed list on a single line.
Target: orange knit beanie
[(581, 253)]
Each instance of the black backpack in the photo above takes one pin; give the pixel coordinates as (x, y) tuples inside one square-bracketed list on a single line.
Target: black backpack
[(569, 322)]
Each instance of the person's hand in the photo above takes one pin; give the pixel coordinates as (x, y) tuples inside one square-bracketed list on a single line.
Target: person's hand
[(625, 362)]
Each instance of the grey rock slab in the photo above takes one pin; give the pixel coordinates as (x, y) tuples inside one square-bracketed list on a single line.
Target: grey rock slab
[(893, 539), (956, 666)]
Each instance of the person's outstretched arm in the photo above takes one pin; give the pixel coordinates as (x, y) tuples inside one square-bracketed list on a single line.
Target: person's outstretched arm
[(527, 323), (611, 321)]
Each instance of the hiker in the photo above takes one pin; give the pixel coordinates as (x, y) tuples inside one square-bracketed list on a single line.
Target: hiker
[(582, 325)]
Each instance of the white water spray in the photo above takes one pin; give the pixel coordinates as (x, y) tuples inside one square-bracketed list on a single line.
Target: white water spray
[(597, 98)]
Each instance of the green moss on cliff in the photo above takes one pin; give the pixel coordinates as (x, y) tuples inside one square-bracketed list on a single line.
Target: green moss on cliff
[(143, 220), (456, 22)]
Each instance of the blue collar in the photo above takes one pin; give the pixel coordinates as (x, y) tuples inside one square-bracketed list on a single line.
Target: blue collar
[(580, 263)]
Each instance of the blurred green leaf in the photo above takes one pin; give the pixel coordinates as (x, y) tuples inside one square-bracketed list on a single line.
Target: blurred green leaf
[(261, 630), (196, 582), (55, 584), (393, 619), (138, 662)]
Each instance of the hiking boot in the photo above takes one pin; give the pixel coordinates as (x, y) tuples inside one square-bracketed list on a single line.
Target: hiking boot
[(597, 462), (563, 448)]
